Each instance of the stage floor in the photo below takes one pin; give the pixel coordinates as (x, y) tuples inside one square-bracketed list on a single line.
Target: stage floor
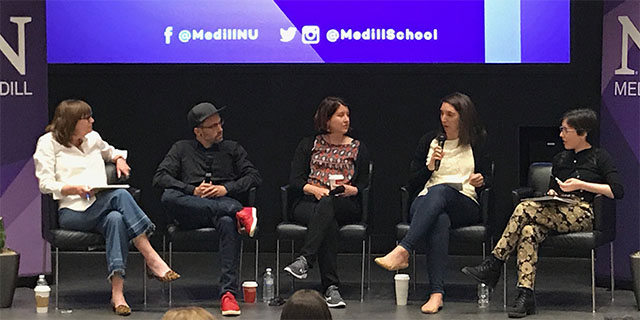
[(84, 293)]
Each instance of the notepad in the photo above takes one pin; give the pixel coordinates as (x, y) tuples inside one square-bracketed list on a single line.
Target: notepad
[(552, 198), (110, 186)]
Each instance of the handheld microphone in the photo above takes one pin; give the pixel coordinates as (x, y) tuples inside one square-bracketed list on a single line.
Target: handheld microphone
[(441, 138)]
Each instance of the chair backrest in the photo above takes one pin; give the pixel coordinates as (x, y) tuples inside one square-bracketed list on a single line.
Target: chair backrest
[(539, 176), (288, 196)]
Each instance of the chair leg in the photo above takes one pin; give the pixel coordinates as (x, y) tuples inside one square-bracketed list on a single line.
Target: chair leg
[(256, 268), (240, 264), (364, 244), (170, 266), (415, 274), (593, 281), (504, 285), (277, 267), (293, 279), (57, 274), (369, 265), (613, 281), (484, 247), (144, 281)]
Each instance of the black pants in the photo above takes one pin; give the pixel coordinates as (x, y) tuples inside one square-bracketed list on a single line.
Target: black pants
[(322, 219), (194, 212)]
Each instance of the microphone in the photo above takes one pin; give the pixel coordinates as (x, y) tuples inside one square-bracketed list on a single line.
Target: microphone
[(208, 174), (441, 138)]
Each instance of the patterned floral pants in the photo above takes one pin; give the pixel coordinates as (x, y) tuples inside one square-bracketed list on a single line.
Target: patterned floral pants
[(529, 225)]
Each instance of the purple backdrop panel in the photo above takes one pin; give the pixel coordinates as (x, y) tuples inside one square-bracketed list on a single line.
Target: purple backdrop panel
[(545, 30), (170, 31), (23, 115), (449, 31), (620, 133)]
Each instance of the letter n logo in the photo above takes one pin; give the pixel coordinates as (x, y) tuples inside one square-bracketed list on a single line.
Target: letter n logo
[(17, 59), (628, 31)]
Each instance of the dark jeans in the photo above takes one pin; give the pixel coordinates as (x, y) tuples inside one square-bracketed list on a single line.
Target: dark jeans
[(432, 215), (322, 219), (115, 215), (193, 212)]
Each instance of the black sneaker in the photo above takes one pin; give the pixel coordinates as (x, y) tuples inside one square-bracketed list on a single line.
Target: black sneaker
[(334, 300), (298, 268)]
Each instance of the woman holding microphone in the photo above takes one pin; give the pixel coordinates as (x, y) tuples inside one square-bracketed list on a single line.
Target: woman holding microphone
[(449, 167)]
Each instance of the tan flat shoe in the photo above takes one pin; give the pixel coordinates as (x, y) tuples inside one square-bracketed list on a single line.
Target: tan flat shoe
[(429, 311), (121, 310), (168, 276), (383, 263)]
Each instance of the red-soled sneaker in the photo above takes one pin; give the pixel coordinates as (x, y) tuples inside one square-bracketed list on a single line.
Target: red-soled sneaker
[(229, 305), (248, 219)]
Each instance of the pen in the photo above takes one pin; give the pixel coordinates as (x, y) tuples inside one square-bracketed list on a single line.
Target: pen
[(558, 180)]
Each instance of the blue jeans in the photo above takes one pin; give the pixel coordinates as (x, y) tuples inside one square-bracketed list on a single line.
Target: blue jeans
[(115, 215), (432, 215), (192, 212)]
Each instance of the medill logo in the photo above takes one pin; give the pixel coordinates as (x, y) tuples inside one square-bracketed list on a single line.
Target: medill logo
[(16, 59), (628, 31)]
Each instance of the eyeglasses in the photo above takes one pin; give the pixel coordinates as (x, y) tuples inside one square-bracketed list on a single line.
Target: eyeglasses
[(217, 124), (563, 129), (86, 116)]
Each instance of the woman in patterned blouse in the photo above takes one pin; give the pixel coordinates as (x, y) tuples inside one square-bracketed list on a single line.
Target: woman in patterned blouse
[(330, 153)]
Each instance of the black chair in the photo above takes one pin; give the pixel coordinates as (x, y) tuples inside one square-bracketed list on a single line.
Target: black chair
[(288, 229), (206, 239), (571, 244), (463, 240), (70, 240)]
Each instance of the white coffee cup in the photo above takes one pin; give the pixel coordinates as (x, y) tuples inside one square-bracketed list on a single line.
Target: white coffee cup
[(333, 180), (42, 298), (402, 288)]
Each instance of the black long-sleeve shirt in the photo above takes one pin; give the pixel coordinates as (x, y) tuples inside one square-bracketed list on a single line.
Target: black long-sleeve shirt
[(185, 165), (590, 165)]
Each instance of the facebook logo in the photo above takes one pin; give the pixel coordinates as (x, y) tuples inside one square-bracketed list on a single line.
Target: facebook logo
[(168, 32)]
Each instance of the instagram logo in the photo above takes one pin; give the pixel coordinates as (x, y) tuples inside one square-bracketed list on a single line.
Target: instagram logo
[(310, 34)]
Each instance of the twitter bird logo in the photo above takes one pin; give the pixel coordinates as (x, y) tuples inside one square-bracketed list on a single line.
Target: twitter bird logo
[(287, 35)]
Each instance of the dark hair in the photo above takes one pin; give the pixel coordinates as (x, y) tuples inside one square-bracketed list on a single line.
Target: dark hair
[(583, 120), (325, 111), (67, 114), (305, 304), (471, 130)]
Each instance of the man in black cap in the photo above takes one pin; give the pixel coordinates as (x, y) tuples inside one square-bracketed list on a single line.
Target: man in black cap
[(200, 179)]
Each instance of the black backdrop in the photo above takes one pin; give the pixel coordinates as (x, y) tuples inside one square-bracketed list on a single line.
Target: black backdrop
[(142, 108)]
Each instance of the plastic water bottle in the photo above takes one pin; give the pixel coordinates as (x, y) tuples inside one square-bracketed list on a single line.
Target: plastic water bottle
[(41, 281), (267, 288), (483, 296)]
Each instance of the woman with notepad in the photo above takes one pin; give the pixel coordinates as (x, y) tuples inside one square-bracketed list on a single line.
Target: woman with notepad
[(69, 162), (580, 172), (448, 168)]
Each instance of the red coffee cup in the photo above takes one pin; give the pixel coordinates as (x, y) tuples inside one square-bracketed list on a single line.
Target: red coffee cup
[(249, 291)]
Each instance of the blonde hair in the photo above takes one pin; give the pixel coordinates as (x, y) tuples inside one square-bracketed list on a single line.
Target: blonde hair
[(188, 313)]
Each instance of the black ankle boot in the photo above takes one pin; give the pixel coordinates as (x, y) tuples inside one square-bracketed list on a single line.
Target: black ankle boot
[(524, 305), (488, 272)]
